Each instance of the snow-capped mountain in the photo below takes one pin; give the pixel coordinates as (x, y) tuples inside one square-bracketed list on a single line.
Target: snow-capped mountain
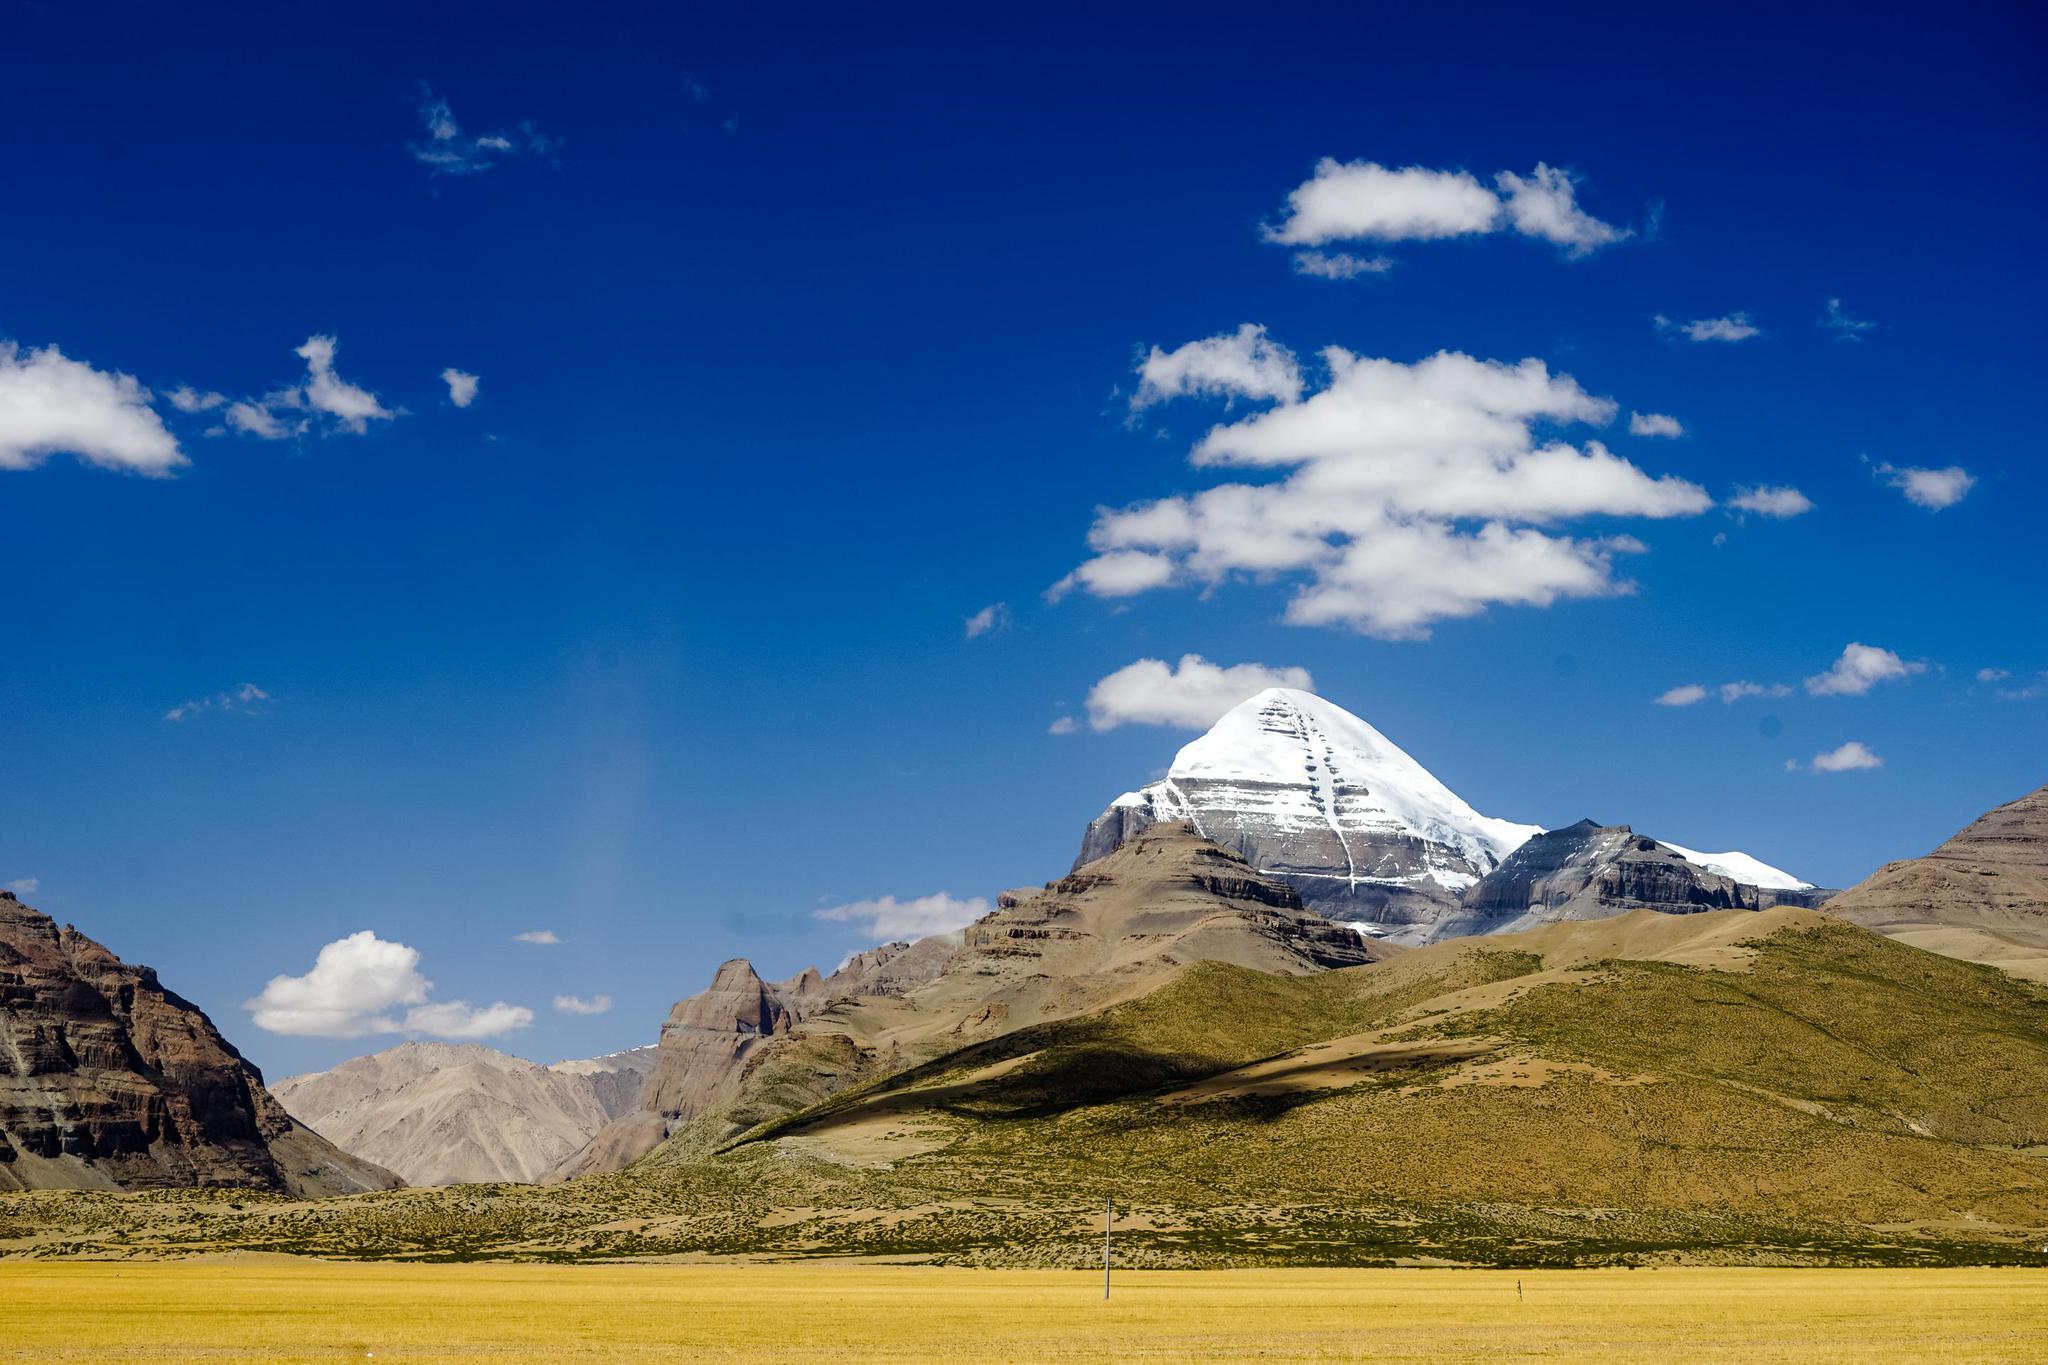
[(1310, 793)]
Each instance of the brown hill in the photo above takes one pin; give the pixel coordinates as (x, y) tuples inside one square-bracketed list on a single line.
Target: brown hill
[(1982, 896), (745, 1050), (109, 1081)]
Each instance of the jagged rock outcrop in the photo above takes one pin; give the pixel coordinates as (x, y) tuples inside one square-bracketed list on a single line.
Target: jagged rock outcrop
[(1981, 896), (703, 1042), (746, 1050), (449, 1114), (109, 1081), (1592, 871)]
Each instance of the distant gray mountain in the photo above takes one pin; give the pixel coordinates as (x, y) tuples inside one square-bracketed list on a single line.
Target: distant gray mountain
[(448, 1114), (1593, 871)]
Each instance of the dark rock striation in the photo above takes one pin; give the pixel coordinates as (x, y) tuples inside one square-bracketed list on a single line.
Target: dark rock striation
[(109, 1081), (1981, 896)]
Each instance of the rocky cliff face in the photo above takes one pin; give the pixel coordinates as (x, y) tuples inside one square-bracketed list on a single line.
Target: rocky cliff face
[(704, 1043), (1591, 871), (1981, 896), (448, 1114), (109, 1081)]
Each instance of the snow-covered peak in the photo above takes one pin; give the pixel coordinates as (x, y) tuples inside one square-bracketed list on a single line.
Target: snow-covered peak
[(1742, 868), (1342, 767)]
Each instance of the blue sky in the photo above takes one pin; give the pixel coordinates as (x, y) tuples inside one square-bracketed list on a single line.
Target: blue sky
[(800, 341)]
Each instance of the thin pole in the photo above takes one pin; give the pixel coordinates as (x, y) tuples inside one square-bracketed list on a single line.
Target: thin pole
[(1107, 1204)]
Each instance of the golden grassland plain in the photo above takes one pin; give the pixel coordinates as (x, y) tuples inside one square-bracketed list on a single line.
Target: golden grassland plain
[(261, 1308)]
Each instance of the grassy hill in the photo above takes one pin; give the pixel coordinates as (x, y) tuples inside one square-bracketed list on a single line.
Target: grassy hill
[(1775, 1087)]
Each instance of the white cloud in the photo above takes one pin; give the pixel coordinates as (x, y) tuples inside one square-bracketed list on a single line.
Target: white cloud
[(543, 936), (356, 987), (1733, 692), (52, 404), (1348, 200), (354, 982), (1243, 365), (450, 151), (277, 414), (1847, 758), (1767, 501), (257, 418), (460, 1019), (1932, 489), (326, 391), (1123, 573), (1729, 692), (1390, 464), (461, 386), (1653, 424), (1339, 265), (1363, 200), (248, 699), (1842, 325), (185, 398), (1545, 205), (1063, 725), (24, 886), (1992, 675), (1190, 694), (596, 1004), (887, 918), (1734, 327), (993, 617), (1860, 668), (2032, 691)]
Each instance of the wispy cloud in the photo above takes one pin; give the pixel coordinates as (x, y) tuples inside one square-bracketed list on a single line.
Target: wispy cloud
[(570, 1004), (24, 886), (248, 699), (887, 918), (1842, 325), (1654, 424), (1340, 265), (448, 150), (1733, 327), (1767, 501), (297, 409), (993, 617), (544, 936)]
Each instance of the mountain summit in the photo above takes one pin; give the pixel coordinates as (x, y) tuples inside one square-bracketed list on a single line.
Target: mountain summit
[(1312, 794), (1309, 792)]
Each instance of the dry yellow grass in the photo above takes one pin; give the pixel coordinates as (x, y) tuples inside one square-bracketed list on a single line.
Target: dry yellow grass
[(282, 1310)]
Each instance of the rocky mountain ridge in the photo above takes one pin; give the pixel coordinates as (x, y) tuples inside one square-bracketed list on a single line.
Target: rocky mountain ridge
[(1118, 927), (449, 1113)]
